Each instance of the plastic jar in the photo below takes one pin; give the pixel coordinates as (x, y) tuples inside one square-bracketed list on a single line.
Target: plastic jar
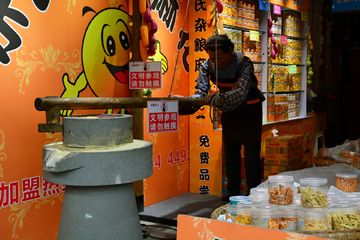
[(250, 204), (263, 198), (350, 196), (268, 206), (281, 189), (238, 214), (332, 199), (335, 194), (288, 218), (314, 192), (258, 191), (234, 200), (342, 217), (344, 202), (312, 219), (346, 182), (265, 217)]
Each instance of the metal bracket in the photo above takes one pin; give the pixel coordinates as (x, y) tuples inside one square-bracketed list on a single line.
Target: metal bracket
[(52, 121)]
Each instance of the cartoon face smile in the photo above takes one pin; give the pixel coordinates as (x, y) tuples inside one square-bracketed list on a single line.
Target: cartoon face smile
[(106, 53), (118, 72)]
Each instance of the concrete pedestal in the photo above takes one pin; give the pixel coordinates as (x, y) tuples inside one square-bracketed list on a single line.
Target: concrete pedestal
[(106, 212)]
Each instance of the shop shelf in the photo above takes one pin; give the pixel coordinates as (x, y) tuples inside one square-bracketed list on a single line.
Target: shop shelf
[(242, 29), (289, 37), (286, 64)]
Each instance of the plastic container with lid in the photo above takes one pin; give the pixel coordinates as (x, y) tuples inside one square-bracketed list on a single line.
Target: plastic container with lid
[(331, 199), (250, 204), (281, 189), (350, 196), (234, 200), (263, 198), (312, 219), (288, 218), (346, 182), (335, 194), (297, 199), (314, 192), (344, 202), (343, 217), (265, 217), (238, 214), (267, 206)]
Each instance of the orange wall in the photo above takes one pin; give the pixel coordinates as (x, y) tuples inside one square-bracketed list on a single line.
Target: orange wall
[(205, 173), (171, 177), (51, 45)]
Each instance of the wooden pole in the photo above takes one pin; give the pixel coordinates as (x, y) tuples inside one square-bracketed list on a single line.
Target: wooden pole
[(137, 113), (88, 103)]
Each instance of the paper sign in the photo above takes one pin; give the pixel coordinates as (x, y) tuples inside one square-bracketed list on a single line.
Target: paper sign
[(162, 116), (263, 5), (283, 40), (304, 17), (145, 75), (292, 69), (254, 35), (277, 9)]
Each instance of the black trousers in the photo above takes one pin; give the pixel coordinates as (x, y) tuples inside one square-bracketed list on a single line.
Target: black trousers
[(232, 155)]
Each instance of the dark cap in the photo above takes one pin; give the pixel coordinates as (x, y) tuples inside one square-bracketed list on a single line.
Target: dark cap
[(222, 41)]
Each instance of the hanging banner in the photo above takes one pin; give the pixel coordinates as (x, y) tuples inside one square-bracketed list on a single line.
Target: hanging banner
[(145, 75), (301, 5), (162, 116), (205, 143), (264, 5), (277, 9), (254, 36), (304, 17), (342, 6), (283, 40), (292, 69)]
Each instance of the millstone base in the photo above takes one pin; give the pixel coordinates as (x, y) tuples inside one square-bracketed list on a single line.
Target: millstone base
[(103, 212)]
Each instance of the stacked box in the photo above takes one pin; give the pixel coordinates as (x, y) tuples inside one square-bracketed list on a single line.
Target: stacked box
[(270, 170), (283, 153)]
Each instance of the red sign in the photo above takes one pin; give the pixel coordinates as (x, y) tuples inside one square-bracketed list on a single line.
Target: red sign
[(162, 116), (283, 40), (277, 9), (145, 75)]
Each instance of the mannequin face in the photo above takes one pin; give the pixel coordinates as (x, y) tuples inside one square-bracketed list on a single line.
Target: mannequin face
[(223, 59)]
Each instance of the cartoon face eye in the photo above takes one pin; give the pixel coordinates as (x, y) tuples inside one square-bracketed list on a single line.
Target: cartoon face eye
[(124, 40), (110, 46)]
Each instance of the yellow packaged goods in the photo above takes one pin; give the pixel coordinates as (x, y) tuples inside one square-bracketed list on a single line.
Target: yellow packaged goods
[(267, 218), (314, 192), (346, 182), (280, 189), (288, 219), (311, 220), (239, 214), (344, 217)]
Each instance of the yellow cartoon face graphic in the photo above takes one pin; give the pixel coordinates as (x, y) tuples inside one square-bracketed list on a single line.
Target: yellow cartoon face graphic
[(106, 52)]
